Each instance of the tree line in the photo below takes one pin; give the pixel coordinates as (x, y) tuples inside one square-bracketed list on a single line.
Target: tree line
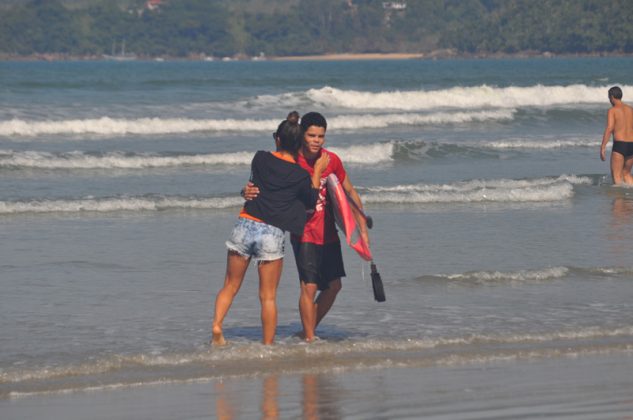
[(179, 28)]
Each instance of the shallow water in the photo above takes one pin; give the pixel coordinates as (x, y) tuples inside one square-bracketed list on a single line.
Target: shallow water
[(501, 241)]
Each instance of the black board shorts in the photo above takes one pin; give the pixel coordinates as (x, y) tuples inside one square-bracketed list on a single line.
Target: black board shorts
[(318, 264)]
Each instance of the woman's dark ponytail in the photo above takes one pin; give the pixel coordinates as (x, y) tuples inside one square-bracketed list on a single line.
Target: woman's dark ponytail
[(290, 134)]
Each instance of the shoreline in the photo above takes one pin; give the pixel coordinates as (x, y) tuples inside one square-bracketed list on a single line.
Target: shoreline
[(445, 54), (350, 57)]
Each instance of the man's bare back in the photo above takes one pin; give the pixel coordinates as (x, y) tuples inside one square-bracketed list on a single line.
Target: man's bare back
[(620, 126)]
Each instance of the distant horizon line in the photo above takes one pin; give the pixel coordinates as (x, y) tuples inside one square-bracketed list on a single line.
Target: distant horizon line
[(345, 56)]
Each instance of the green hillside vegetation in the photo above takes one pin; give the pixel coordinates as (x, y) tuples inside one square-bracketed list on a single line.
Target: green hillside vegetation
[(181, 28)]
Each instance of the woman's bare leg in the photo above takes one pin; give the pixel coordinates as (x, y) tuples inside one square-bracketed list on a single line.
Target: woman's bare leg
[(269, 275), (236, 266)]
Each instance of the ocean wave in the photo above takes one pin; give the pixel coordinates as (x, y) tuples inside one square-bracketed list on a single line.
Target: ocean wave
[(477, 191), (122, 126), (475, 97), (497, 277), (354, 122), (117, 204), (420, 149), (359, 154), (291, 355), (156, 126), (543, 144), (371, 153), (492, 278), (116, 160), (611, 271), (499, 190)]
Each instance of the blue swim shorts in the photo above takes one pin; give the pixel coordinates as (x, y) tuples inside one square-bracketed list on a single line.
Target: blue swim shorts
[(257, 240)]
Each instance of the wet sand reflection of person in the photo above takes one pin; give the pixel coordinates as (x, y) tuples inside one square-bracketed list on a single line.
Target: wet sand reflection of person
[(270, 398), (621, 225), (227, 403), (224, 409), (320, 398)]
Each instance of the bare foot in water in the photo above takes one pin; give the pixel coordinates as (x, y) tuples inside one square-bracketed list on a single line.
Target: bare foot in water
[(302, 335), (217, 339)]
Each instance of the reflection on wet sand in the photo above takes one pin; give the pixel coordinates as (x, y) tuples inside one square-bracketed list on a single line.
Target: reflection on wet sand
[(270, 398), (319, 399), (621, 224), (622, 210), (223, 407)]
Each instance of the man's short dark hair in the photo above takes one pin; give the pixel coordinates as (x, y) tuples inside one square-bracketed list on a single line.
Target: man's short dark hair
[(313, 118), (615, 92)]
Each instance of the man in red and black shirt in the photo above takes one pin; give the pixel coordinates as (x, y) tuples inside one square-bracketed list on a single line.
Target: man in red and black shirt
[(318, 250)]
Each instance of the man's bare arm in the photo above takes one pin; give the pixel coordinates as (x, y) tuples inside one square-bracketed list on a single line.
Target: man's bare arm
[(608, 131)]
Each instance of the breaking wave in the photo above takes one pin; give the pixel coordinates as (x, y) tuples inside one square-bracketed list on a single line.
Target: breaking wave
[(466, 98), (476, 191), (291, 355), (361, 154), (497, 277), (156, 126), (496, 190), (371, 153), (122, 126), (492, 278), (544, 144), (116, 160), (115, 204)]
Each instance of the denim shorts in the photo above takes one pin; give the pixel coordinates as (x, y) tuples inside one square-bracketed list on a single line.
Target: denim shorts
[(257, 240)]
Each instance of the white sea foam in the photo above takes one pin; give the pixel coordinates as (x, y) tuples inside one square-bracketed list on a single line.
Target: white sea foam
[(540, 275), (297, 356), (116, 160), (474, 97), (361, 154), (613, 271), (544, 144), (365, 153), (500, 190), (354, 122), (155, 126), (117, 204), (466, 186), (141, 126), (496, 190), (371, 153), (551, 193), (494, 277)]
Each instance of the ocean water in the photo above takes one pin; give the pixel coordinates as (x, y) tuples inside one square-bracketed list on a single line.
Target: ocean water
[(504, 248)]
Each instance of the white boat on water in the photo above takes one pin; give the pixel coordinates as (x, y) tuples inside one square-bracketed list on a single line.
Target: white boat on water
[(122, 56)]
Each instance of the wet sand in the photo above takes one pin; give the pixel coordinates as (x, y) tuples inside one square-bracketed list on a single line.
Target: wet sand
[(588, 387), (351, 56)]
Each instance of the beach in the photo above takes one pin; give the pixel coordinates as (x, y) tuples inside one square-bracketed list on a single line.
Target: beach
[(503, 246), (352, 56)]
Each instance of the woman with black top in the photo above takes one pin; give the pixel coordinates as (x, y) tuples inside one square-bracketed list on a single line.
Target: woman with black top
[(286, 191)]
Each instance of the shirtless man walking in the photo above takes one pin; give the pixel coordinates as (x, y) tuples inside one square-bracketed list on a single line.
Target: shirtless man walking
[(620, 125)]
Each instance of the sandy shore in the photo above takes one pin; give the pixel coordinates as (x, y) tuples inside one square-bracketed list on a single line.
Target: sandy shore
[(430, 55), (351, 56)]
